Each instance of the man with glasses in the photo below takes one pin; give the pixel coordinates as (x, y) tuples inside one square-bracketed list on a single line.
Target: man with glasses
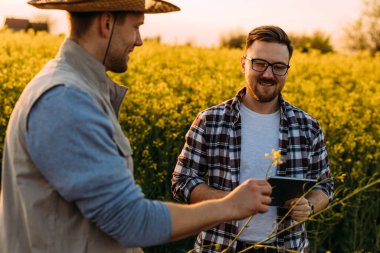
[(226, 143)]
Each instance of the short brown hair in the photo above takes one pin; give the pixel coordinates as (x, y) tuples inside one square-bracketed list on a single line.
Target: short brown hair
[(269, 33), (80, 22)]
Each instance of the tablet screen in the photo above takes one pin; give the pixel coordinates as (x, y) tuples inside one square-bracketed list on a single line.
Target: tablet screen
[(285, 188)]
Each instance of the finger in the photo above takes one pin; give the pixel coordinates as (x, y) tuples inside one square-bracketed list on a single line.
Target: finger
[(262, 182), (302, 201), (266, 189), (303, 208), (289, 202), (300, 213), (299, 218), (257, 183), (266, 200), (296, 203), (263, 189), (262, 208)]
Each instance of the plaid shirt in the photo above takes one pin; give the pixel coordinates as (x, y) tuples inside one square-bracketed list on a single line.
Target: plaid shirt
[(213, 146)]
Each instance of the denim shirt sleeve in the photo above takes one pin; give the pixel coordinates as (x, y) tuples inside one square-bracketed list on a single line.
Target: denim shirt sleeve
[(70, 140)]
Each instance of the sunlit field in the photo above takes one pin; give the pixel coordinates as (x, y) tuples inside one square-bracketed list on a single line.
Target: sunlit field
[(169, 85)]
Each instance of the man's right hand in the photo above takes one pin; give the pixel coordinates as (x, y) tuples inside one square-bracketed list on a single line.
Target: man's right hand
[(251, 197)]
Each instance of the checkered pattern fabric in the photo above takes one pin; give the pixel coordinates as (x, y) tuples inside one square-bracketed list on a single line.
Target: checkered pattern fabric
[(212, 151)]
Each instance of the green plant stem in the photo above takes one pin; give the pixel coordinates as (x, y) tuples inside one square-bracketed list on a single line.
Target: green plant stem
[(356, 191), (270, 247), (293, 206), (237, 236)]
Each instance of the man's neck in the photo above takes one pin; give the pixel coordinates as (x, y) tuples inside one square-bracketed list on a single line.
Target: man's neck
[(260, 107), (92, 48)]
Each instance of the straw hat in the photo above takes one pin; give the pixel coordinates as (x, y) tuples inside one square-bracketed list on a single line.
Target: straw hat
[(146, 6)]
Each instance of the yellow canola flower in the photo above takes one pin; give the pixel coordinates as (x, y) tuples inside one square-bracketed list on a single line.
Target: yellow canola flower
[(278, 162), (267, 155), (276, 154), (341, 177)]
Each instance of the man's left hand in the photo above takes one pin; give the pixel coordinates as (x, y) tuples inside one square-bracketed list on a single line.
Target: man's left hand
[(301, 208)]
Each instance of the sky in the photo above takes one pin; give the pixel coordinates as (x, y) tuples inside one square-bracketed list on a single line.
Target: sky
[(203, 22)]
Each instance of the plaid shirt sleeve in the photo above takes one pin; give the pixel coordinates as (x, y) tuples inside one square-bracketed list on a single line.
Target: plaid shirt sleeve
[(319, 163), (191, 165)]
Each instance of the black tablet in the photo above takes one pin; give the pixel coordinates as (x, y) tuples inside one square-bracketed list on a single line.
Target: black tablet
[(285, 188)]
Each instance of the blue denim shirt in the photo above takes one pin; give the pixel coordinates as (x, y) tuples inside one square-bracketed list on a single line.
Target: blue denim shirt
[(70, 140)]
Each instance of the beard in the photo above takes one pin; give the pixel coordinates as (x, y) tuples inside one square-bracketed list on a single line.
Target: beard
[(117, 62), (265, 90), (117, 65)]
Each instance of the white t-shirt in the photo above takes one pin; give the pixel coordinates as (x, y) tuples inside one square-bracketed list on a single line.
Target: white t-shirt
[(259, 135)]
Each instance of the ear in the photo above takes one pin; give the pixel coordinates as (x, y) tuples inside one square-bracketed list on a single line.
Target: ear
[(242, 62), (106, 20)]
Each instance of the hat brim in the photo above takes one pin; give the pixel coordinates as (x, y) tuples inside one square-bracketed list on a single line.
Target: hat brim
[(148, 6)]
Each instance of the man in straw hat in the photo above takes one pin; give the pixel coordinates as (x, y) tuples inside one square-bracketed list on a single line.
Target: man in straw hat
[(67, 180)]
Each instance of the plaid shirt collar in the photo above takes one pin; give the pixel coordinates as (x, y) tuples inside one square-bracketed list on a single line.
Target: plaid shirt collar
[(238, 99)]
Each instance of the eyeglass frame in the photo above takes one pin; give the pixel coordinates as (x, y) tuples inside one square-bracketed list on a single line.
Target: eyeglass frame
[(269, 64)]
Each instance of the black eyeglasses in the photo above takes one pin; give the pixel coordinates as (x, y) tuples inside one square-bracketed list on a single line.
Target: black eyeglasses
[(260, 65)]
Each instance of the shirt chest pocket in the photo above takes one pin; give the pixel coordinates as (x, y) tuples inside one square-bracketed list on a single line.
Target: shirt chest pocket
[(124, 147)]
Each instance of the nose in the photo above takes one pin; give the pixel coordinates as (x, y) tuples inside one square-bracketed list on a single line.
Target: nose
[(139, 41), (268, 72)]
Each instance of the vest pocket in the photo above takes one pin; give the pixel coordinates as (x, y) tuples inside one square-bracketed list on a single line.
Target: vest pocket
[(124, 148)]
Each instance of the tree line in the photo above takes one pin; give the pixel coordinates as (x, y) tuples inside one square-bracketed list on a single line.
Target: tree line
[(362, 34)]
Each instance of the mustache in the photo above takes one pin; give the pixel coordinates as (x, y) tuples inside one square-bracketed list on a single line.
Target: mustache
[(267, 80)]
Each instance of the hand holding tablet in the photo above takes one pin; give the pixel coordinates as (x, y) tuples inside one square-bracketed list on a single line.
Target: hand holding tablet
[(285, 188)]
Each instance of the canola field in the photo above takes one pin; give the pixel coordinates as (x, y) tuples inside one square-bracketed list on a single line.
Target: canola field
[(169, 85)]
